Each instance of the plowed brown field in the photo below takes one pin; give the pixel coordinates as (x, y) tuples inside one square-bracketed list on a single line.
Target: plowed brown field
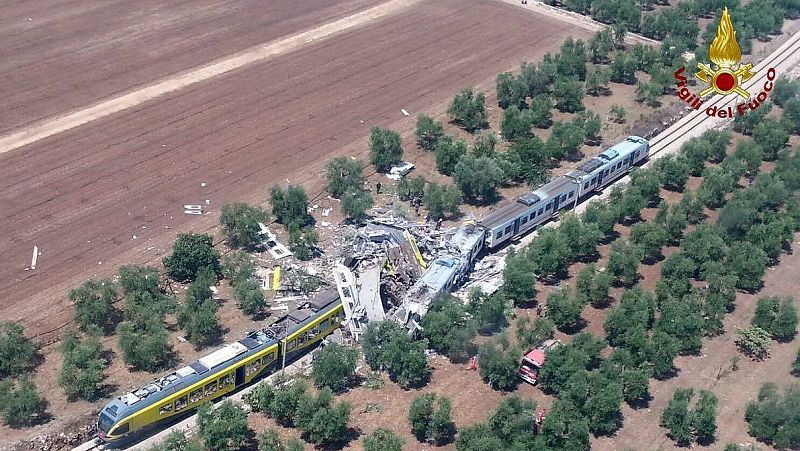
[(83, 194)]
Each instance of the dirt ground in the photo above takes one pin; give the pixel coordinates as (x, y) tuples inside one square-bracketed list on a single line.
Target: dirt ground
[(61, 55), (83, 195)]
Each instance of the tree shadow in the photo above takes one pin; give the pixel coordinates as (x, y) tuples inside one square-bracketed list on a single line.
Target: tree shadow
[(641, 403), (575, 328), (669, 374)]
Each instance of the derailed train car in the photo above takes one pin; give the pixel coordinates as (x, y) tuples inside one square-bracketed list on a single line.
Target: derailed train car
[(223, 371), (516, 219)]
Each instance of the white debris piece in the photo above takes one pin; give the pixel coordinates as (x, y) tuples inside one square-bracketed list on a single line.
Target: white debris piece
[(203, 184), (34, 257), (326, 212), (405, 113), (400, 170), (270, 242)]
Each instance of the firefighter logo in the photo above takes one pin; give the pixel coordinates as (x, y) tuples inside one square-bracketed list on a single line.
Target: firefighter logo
[(728, 75)]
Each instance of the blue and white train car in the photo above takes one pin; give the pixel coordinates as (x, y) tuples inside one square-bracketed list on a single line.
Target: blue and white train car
[(535, 208)]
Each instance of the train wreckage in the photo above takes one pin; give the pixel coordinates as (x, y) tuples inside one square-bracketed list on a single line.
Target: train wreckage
[(388, 277)]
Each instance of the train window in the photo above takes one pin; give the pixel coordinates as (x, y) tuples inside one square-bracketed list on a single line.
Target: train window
[(563, 197), (302, 339), (594, 180), (571, 193), (325, 324), (533, 215), (547, 208), (507, 230), (167, 408), (269, 358), (314, 330), (291, 345), (586, 185), (524, 219), (226, 380), (196, 395), (122, 429), (180, 403), (499, 234), (540, 211), (211, 388)]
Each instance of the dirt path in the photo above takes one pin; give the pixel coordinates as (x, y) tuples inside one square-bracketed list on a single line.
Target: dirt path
[(174, 83), (578, 20)]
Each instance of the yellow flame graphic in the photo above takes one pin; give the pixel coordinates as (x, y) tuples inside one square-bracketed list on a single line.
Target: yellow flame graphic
[(724, 51)]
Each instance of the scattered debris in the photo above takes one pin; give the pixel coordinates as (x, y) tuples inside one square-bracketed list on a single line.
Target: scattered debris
[(192, 209), (326, 212), (400, 170), (34, 257), (276, 249)]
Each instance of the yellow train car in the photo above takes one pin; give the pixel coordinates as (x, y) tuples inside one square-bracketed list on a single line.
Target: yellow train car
[(223, 371)]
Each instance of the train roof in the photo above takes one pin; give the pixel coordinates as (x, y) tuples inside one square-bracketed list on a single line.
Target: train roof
[(230, 353), (504, 214), (554, 187)]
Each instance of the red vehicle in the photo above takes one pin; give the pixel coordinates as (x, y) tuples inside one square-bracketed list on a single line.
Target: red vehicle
[(532, 361)]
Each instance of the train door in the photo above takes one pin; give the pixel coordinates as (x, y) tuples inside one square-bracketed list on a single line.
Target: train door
[(556, 203), (599, 180), (240, 375), (516, 226)]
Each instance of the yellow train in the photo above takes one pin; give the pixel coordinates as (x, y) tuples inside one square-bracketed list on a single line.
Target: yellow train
[(223, 371)]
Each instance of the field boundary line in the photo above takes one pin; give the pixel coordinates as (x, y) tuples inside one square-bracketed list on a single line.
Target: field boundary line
[(255, 54)]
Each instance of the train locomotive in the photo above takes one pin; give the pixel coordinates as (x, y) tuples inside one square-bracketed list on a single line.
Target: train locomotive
[(222, 371)]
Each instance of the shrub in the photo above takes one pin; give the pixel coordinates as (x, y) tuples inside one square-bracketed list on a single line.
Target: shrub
[(468, 110), (442, 200), (531, 333), (565, 310), (81, 374), (428, 132), (239, 223), (321, 421), (20, 403), (93, 303), (17, 352), (754, 342), (343, 175), (383, 439), (290, 206), (429, 422), (190, 253), (489, 311), (385, 148), (778, 316), (387, 346), (198, 316), (447, 327), (303, 242), (623, 262), (449, 153), (519, 278), (498, 363), (249, 297), (333, 366), (478, 178), (144, 345), (773, 417), (223, 428), (356, 203)]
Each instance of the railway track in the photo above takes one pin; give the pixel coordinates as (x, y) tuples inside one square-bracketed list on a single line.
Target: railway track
[(781, 59)]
